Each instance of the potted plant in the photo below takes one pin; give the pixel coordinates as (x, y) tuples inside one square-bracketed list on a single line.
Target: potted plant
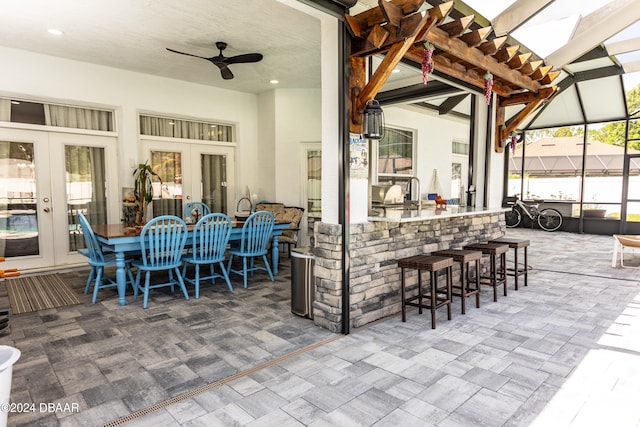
[(143, 190)]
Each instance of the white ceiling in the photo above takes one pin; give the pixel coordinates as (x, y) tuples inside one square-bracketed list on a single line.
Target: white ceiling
[(134, 35)]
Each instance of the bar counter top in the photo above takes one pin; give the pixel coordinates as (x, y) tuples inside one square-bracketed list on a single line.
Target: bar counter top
[(399, 214)]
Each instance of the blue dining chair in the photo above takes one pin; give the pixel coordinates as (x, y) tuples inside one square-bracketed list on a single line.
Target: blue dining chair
[(162, 241), (208, 246), (200, 208), (98, 260), (254, 242)]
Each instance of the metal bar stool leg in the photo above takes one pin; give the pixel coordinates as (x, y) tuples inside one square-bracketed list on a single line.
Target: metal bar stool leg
[(434, 294), (402, 295), (449, 278), (503, 264)]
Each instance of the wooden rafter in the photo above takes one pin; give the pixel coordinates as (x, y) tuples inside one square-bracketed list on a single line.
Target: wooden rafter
[(457, 27), (475, 37), (402, 32), (398, 29), (477, 59)]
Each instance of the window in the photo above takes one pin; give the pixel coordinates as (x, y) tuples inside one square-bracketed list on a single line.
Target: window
[(395, 156), (312, 186), (38, 113), (185, 129), (460, 147)]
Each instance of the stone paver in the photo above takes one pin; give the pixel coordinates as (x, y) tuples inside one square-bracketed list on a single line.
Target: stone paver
[(563, 351)]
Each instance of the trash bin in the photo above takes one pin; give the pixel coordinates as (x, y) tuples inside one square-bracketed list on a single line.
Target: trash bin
[(8, 356), (302, 281)]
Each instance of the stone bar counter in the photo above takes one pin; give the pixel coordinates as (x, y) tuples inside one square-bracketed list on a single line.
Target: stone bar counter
[(376, 246)]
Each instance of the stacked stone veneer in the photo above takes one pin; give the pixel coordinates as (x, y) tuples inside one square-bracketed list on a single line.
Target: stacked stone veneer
[(374, 249)]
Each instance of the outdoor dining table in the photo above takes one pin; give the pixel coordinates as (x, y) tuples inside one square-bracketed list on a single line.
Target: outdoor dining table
[(121, 239)]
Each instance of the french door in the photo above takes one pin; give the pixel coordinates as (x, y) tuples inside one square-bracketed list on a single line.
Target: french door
[(46, 179), (190, 171)]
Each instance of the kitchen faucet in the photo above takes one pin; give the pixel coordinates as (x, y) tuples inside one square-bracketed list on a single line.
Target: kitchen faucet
[(409, 190)]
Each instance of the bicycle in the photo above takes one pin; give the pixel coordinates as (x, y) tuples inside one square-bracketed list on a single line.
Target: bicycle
[(548, 219)]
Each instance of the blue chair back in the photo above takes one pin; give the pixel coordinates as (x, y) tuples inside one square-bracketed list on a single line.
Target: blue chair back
[(93, 250), (256, 233), (201, 207), (210, 237), (162, 242)]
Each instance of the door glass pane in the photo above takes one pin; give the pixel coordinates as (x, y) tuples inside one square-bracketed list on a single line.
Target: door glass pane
[(85, 189), (314, 174), (18, 214), (167, 196), (214, 182)]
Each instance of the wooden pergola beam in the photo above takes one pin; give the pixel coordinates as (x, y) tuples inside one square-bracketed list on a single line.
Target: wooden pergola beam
[(475, 37), (379, 38), (518, 61), (528, 68), (408, 30), (389, 62), (357, 24), (504, 130), (506, 53), (491, 46), (526, 97), (457, 27), (459, 71), (477, 59)]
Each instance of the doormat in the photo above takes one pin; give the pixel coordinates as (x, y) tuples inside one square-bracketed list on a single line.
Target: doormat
[(33, 293)]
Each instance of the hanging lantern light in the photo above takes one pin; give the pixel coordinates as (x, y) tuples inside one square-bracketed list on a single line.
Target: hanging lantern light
[(373, 120)]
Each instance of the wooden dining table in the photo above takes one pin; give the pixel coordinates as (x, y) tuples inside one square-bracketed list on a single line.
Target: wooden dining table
[(122, 239)]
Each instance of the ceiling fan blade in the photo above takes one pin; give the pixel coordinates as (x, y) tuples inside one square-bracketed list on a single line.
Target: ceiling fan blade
[(247, 57), (188, 54), (226, 73)]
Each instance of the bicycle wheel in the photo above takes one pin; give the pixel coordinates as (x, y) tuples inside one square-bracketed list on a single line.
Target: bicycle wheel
[(513, 218), (549, 219)]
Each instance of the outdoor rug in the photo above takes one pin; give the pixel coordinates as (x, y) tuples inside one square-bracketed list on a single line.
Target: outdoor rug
[(33, 293)]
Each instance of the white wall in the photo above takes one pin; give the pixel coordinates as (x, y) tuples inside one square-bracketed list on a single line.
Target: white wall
[(268, 160), (298, 120), (434, 136), (40, 77), (265, 188)]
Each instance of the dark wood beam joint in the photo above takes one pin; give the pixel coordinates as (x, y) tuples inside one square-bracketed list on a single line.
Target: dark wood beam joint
[(475, 37), (518, 61), (491, 46), (503, 130), (392, 14), (506, 53), (389, 62), (457, 27), (526, 97)]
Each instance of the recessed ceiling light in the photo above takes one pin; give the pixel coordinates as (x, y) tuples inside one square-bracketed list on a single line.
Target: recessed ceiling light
[(395, 70), (274, 82), (54, 32)]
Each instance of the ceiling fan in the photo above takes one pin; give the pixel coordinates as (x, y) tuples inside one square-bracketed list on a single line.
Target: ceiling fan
[(222, 61)]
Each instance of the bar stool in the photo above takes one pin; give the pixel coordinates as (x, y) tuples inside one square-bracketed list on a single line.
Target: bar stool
[(516, 244), (466, 288), (436, 297), (495, 278)]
